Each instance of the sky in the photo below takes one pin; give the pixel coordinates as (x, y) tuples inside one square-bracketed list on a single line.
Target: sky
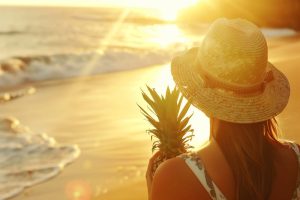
[(131, 3), (168, 8)]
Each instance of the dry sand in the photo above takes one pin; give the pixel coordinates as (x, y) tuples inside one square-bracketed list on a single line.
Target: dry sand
[(100, 115)]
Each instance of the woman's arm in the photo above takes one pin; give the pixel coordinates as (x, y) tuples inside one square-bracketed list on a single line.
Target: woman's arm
[(173, 180), (149, 177), (166, 184)]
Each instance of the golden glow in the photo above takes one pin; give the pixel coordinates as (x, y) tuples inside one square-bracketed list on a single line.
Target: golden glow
[(168, 9), (200, 124), (78, 190), (199, 121), (168, 35)]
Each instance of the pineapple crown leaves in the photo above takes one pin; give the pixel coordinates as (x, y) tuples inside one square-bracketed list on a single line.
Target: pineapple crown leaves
[(169, 120)]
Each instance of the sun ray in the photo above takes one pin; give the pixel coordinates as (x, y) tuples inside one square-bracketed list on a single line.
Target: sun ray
[(103, 45)]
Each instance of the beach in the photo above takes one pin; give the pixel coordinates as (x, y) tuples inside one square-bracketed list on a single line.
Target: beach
[(99, 113)]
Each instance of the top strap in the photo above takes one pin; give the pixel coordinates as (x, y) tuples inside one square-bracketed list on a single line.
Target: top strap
[(195, 163), (295, 147)]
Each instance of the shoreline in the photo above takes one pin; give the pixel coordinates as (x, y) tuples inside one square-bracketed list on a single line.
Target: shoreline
[(98, 160)]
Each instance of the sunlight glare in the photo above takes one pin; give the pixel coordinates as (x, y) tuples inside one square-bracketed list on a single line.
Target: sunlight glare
[(199, 121), (200, 124), (103, 44), (169, 9), (78, 190), (168, 35)]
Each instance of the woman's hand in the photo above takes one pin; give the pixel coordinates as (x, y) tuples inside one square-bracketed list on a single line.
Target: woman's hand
[(149, 174)]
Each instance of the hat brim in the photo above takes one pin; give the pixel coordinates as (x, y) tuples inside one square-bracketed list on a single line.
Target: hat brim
[(226, 105)]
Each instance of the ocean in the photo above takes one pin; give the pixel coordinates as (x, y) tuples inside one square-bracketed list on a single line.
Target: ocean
[(45, 43), (39, 44), (52, 43)]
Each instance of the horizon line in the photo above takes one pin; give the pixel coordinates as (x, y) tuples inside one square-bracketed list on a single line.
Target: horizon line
[(74, 6)]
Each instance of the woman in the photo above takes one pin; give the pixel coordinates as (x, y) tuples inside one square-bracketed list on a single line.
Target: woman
[(229, 78)]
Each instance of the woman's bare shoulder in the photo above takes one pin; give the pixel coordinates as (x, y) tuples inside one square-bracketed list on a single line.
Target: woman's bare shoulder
[(174, 180), (168, 173)]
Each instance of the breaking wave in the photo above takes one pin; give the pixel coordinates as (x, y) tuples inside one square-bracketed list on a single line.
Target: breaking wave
[(17, 70), (28, 158)]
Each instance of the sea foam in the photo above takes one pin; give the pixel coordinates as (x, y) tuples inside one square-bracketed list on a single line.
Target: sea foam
[(17, 70), (28, 158)]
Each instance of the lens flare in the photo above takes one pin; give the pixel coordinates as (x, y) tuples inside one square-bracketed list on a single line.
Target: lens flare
[(78, 190)]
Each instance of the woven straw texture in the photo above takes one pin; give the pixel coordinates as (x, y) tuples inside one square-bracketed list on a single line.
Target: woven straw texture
[(226, 104)]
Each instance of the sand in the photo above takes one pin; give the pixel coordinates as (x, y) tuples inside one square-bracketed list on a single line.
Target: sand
[(99, 114)]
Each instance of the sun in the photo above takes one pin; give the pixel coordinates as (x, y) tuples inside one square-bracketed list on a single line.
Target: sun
[(169, 9)]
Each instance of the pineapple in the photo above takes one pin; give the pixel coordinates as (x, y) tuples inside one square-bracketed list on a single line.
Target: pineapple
[(170, 124)]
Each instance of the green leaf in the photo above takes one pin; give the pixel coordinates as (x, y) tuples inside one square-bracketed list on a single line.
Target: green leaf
[(184, 111), (169, 121)]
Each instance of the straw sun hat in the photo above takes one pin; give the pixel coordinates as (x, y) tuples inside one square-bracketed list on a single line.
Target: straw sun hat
[(229, 77)]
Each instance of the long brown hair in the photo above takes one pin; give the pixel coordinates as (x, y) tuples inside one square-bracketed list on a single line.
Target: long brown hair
[(249, 152)]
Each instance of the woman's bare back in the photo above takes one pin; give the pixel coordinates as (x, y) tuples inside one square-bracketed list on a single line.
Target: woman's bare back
[(175, 180)]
